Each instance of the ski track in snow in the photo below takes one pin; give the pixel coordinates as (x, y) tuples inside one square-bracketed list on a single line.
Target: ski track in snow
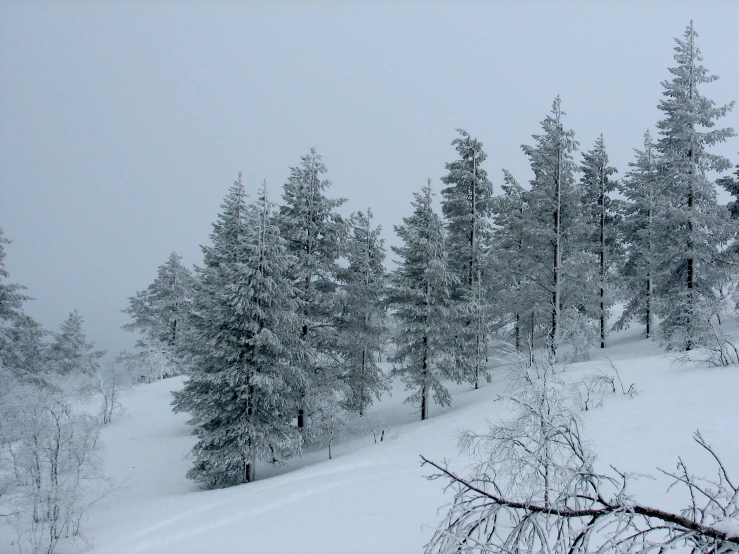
[(372, 498), (133, 547)]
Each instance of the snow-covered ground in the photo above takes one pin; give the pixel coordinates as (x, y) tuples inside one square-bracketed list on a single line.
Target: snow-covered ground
[(372, 497)]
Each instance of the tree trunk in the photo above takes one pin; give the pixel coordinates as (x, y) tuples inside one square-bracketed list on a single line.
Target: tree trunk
[(531, 339), (301, 407), (691, 223), (649, 263), (691, 276), (424, 387), (602, 257), (649, 306), (556, 261), (301, 411), (361, 397), (250, 468)]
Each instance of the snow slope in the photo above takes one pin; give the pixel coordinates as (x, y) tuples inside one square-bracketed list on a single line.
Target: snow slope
[(373, 498)]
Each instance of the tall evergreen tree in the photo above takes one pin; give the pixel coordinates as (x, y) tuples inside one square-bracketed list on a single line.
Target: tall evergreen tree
[(11, 295), (161, 312), (693, 227), (22, 350), (640, 190), (467, 206), (361, 324), (243, 343), (315, 236), (25, 352), (71, 353), (516, 292), (421, 298), (552, 219), (597, 185)]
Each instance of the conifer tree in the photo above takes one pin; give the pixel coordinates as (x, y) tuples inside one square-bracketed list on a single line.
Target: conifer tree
[(161, 312), (596, 184), (467, 206), (315, 236), (243, 343), (640, 190), (25, 352), (552, 220), (516, 292), (361, 324), (70, 353), (11, 295), (22, 350), (694, 228), (421, 300)]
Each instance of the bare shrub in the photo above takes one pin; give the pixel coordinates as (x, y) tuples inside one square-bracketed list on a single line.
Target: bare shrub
[(56, 468), (534, 487), (582, 511), (112, 381)]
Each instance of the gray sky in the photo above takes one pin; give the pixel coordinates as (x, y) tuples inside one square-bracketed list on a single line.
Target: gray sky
[(123, 124)]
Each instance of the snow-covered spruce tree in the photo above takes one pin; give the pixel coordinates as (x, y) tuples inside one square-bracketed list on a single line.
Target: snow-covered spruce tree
[(640, 190), (25, 353), (160, 314), (361, 324), (420, 297), (11, 298), (22, 353), (693, 228), (21, 337), (467, 206), (555, 256), (70, 353), (244, 346), (517, 303), (602, 224), (315, 236)]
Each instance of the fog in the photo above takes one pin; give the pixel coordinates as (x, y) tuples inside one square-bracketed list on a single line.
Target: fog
[(123, 124)]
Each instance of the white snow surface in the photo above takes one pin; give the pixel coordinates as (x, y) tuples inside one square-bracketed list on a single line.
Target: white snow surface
[(373, 498)]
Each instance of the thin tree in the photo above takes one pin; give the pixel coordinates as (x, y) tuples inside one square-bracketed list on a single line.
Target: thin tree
[(420, 297), (552, 217), (467, 205), (596, 184), (361, 324), (640, 190)]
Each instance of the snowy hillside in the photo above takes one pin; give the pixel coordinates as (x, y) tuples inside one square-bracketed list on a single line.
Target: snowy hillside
[(373, 498)]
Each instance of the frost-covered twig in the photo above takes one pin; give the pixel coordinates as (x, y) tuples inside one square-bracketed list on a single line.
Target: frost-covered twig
[(585, 513)]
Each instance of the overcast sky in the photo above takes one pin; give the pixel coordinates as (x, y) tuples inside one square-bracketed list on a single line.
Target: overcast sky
[(123, 124)]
